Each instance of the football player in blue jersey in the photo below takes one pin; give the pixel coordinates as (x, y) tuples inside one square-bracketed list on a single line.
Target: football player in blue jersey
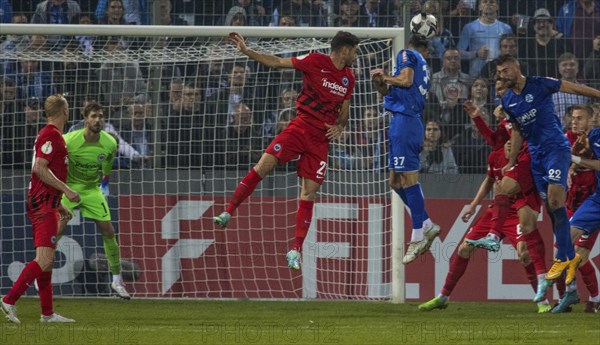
[(528, 103), (404, 98)]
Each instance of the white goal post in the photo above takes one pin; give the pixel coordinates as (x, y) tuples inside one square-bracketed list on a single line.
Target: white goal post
[(163, 202)]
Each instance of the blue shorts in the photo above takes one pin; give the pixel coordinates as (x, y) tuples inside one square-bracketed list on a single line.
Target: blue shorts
[(406, 136), (550, 167), (587, 216)]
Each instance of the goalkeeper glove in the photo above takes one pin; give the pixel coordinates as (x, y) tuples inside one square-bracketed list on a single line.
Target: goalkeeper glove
[(104, 185)]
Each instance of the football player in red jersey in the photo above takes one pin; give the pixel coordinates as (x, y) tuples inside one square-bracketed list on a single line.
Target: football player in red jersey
[(47, 184), (322, 113)]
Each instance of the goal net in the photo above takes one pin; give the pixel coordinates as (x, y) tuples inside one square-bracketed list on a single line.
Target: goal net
[(192, 116)]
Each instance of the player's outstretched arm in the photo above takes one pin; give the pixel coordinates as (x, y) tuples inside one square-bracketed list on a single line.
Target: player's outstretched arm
[(484, 189), (271, 61), (40, 168), (516, 142), (578, 89), (593, 164)]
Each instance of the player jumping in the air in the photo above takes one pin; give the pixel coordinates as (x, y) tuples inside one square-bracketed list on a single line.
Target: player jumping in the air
[(91, 153), (323, 108), (528, 103), (404, 99), (46, 187)]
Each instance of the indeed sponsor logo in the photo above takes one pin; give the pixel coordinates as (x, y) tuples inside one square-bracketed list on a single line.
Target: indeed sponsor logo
[(334, 86)]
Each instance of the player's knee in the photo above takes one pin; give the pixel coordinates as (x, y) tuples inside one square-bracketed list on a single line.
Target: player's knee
[(554, 204), (465, 251), (46, 262)]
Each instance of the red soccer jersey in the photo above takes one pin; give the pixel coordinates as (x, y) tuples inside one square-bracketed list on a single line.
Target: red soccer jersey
[(583, 181), (520, 172), (51, 146), (324, 89)]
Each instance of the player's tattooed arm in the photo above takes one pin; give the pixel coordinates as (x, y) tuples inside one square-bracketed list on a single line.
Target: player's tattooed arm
[(41, 169), (578, 89)]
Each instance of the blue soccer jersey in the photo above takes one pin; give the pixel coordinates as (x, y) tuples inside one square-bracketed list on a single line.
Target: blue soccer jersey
[(533, 111), (409, 101), (594, 139)]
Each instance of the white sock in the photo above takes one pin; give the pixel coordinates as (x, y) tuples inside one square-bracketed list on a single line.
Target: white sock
[(117, 278), (571, 287), (595, 299), (443, 297), (427, 223), (493, 237), (541, 277), (417, 235)]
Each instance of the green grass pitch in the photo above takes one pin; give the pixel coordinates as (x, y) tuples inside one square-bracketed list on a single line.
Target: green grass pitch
[(111, 321)]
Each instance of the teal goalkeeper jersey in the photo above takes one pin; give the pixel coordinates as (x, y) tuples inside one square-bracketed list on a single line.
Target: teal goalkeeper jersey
[(87, 160)]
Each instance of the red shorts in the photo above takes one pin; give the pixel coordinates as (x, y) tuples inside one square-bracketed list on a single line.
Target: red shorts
[(587, 241), (484, 224), (521, 173), (531, 199), (45, 226), (311, 145)]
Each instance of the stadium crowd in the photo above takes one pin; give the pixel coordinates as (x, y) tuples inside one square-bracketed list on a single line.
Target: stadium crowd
[(220, 114)]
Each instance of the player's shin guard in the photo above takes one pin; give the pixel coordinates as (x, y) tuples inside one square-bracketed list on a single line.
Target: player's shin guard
[(44, 282), (26, 278), (588, 273), (416, 203), (562, 233), (111, 249), (499, 214), (243, 190), (303, 220), (458, 266)]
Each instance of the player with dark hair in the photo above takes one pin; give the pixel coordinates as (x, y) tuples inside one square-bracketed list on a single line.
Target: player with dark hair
[(532, 260), (528, 103), (323, 108), (47, 185), (404, 93), (91, 155)]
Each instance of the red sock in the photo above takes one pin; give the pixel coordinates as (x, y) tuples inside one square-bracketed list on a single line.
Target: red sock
[(303, 219), (560, 285), (458, 266), (243, 190), (26, 278), (537, 251), (588, 273), (45, 291), (499, 214), (531, 276)]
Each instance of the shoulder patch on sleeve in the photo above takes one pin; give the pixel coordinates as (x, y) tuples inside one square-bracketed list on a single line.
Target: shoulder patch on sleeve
[(47, 147)]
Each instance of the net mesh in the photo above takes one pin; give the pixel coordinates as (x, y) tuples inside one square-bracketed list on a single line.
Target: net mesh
[(192, 116)]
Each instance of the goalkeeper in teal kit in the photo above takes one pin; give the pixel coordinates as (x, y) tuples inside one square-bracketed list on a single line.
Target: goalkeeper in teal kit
[(91, 153)]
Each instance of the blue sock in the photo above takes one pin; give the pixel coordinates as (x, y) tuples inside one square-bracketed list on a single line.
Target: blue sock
[(402, 194), (562, 233), (414, 195)]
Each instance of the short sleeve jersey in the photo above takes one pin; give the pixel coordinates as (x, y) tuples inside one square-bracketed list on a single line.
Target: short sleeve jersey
[(324, 89), (409, 101), (594, 139), (533, 111), (88, 159), (50, 146)]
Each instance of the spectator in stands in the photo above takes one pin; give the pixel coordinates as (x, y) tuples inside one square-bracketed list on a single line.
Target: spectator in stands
[(579, 20), (236, 17), (119, 81), (452, 118), (6, 12), (544, 49), (372, 15), (568, 69), (596, 109), (470, 148), (480, 93), (244, 142), (348, 14), (73, 77), (134, 11), (450, 73), (34, 122), (286, 21), (460, 15), (283, 119), (165, 17), (444, 38), (56, 12), (10, 123), (345, 155), (254, 12), (436, 155), (396, 11), (31, 81), (508, 45), (217, 78), (518, 13), (286, 100), (14, 43), (306, 12), (372, 140), (479, 39), (591, 66), (137, 130), (114, 14)]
